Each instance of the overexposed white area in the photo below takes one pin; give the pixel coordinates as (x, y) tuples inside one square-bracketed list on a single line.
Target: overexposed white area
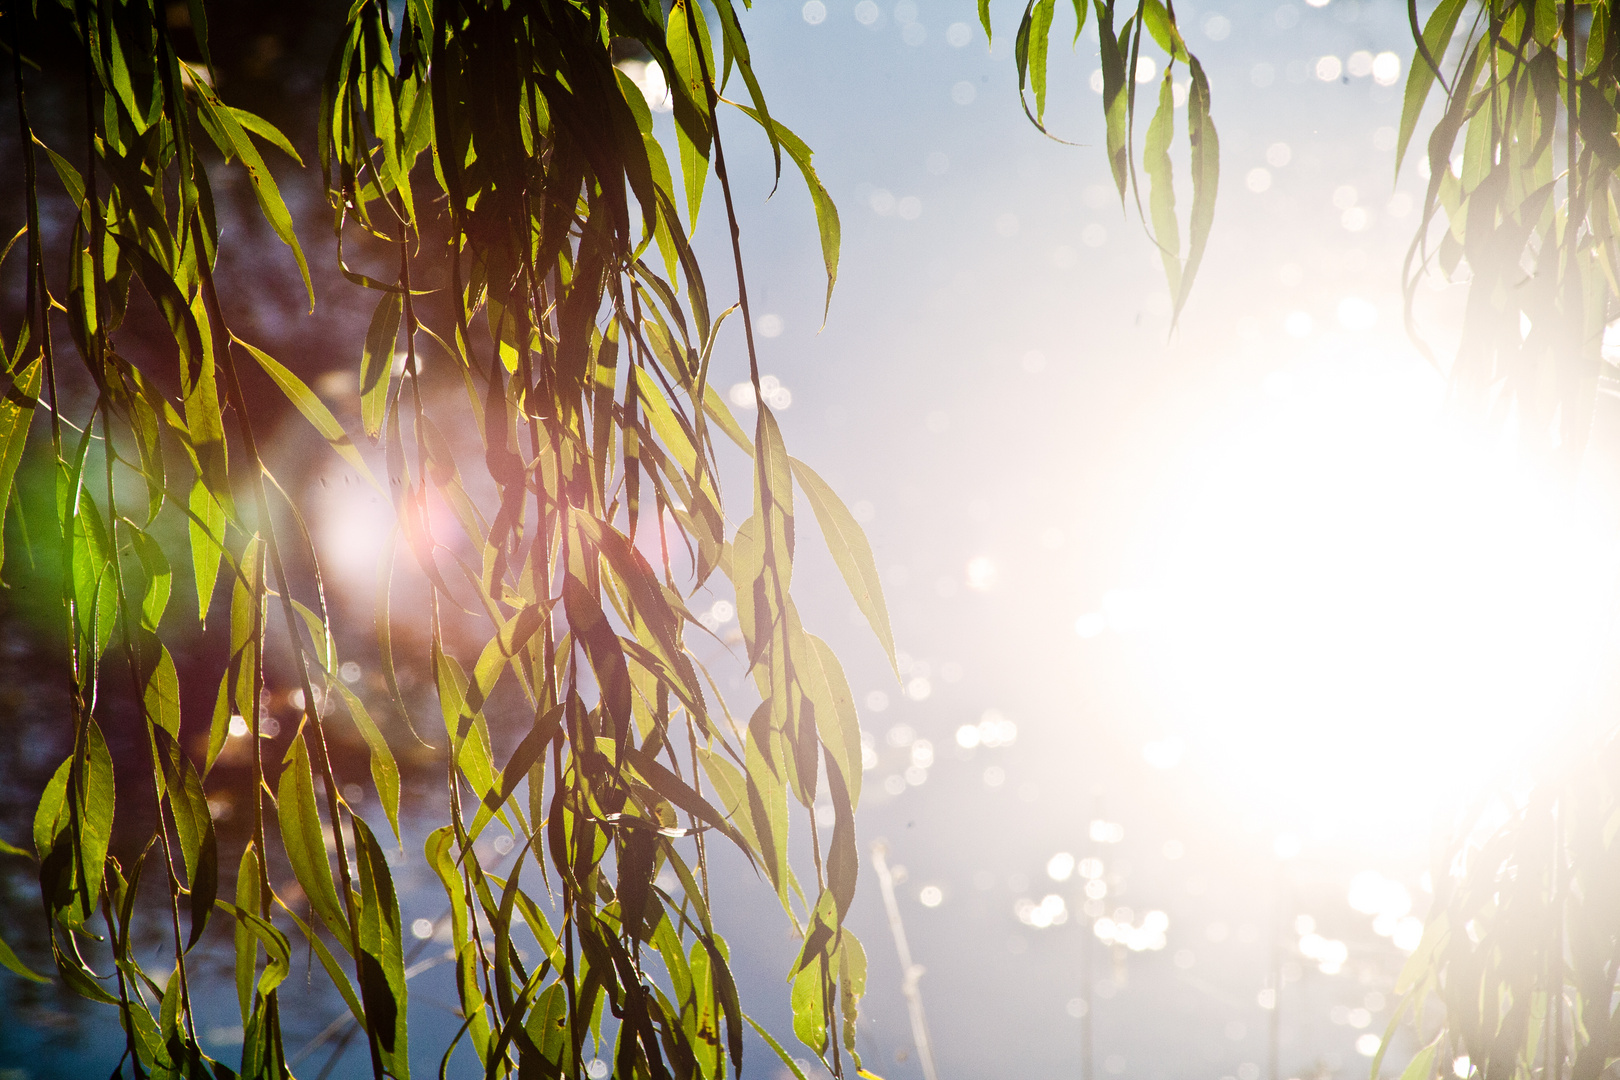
[(1363, 607)]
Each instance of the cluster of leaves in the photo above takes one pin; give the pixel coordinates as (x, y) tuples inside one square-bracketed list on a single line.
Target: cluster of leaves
[(498, 154), (1522, 947), (1530, 90), (1120, 49)]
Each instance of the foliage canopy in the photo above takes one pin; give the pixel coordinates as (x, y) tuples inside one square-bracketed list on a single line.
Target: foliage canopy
[(537, 230), (509, 169), (499, 160), (505, 164), (1522, 166)]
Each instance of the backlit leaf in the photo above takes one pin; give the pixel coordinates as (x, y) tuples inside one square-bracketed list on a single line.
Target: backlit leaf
[(16, 414), (377, 362), (303, 838), (314, 410), (850, 550)]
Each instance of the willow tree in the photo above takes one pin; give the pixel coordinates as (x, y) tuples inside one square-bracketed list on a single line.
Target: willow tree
[(1522, 164), (1521, 951), (538, 233)]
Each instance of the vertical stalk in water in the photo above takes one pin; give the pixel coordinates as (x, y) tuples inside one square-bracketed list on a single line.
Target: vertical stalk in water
[(910, 972)]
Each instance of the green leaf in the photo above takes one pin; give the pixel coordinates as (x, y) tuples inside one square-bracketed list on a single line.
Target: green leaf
[(159, 577), (99, 801), (304, 838), (16, 414), (1548, 21), (94, 584), (731, 789), (248, 597), (1596, 40), (228, 132), (821, 934), (547, 1026), (837, 724), (1206, 174), (202, 432), (702, 1012), (207, 522), (72, 182), (315, 410), (384, 770), (1080, 10), (462, 726), (851, 551), (773, 496), (381, 959), (717, 410), (169, 1008), (72, 862), (589, 626), (10, 960), (671, 787), (277, 949), (748, 581), (195, 826), (204, 417), (265, 130), (546, 728), (198, 10), (851, 986), (809, 1005), (1162, 185), (1436, 37), (737, 48), (1030, 50), (440, 850), (691, 93), (768, 799), (826, 212), (1163, 29), (48, 811), (247, 944), (377, 362), (239, 689), (1115, 99), (162, 693), (320, 636)]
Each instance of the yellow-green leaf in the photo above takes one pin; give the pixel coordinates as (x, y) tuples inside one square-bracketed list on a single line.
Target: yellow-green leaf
[(851, 551), (304, 838), (314, 410)]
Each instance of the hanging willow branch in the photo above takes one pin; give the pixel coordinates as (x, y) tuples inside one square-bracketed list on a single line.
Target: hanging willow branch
[(1527, 201), (496, 154), (1120, 52), (1521, 949), (568, 510)]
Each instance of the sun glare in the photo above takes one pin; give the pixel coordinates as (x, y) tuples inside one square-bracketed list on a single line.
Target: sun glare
[(1362, 608)]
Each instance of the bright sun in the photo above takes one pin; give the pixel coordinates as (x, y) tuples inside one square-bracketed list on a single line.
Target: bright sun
[(1360, 608)]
